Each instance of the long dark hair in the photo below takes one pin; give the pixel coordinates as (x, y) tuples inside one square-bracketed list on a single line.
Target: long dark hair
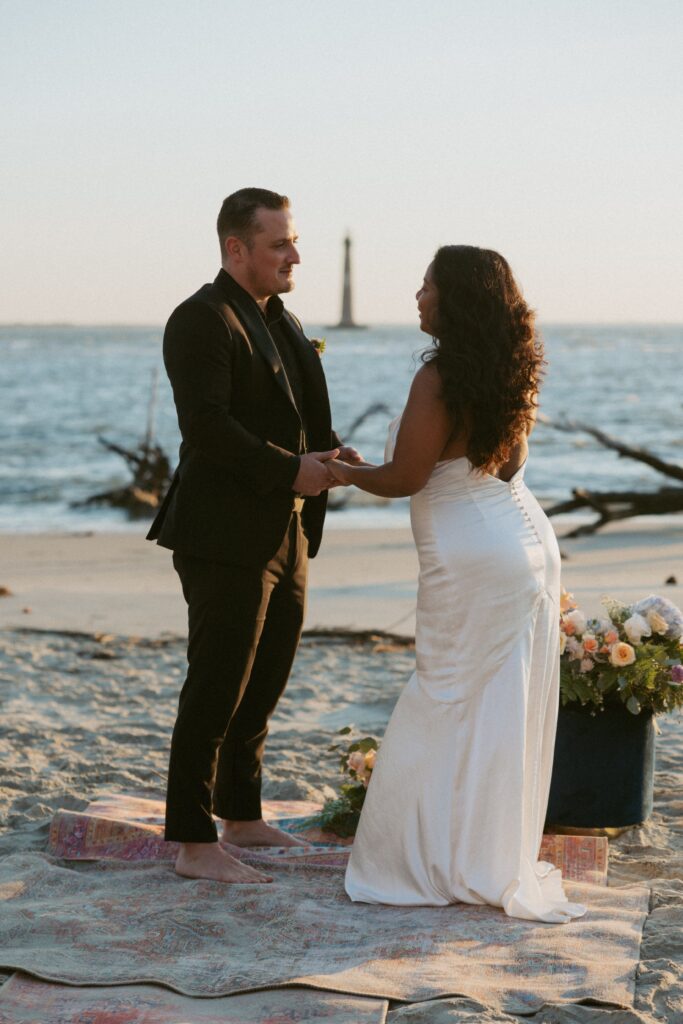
[(486, 350)]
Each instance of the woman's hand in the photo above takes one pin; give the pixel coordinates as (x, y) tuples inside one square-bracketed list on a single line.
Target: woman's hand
[(349, 454), (425, 428), (339, 471)]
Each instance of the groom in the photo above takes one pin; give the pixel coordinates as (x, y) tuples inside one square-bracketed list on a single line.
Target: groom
[(244, 512)]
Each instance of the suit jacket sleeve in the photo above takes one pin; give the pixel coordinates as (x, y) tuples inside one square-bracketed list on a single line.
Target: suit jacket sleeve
[(198, 351)]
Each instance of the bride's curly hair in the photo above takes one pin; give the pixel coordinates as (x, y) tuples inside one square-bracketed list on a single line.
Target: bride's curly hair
[(486, 350)]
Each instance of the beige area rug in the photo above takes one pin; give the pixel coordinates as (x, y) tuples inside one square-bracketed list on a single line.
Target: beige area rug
[(130, 924), (24, 1000)]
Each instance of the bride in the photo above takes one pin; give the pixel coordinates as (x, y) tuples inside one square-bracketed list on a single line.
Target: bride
[(456, 804)]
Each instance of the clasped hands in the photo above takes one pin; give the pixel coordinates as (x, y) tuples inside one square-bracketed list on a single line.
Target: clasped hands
[(318, 471)]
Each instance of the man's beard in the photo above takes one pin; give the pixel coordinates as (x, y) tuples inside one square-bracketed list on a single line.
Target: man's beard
[(286, 284)]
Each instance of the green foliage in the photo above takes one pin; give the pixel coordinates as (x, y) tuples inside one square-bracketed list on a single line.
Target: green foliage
[(338, 816), (341, 814)]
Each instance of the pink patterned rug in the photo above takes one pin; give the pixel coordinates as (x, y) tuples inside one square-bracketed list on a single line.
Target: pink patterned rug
[(24, 1000), (119, 826)]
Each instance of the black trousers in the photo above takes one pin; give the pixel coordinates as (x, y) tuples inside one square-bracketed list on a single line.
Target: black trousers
[(244, 628)]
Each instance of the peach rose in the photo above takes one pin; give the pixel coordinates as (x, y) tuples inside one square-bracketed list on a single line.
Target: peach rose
[(357, 761), (590, 643), (370, 759), (622, 654), (568, 628), (611, 637)]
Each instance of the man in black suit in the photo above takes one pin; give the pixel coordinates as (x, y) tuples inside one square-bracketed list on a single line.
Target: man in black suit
[(244, 512)]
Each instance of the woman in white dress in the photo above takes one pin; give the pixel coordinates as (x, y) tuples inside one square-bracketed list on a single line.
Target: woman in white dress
[(455, 807)]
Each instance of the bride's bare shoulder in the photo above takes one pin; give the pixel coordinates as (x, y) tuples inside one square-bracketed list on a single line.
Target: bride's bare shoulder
[(427, 382)]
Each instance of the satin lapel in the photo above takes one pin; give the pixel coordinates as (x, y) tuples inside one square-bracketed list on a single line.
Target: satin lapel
[(259, 334)]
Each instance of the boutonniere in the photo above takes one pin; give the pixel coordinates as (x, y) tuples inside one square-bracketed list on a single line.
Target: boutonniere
[(318, 344)]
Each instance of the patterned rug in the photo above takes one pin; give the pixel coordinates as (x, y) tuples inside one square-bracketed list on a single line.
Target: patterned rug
[(118, 923), (119, 826), (24, 1000)]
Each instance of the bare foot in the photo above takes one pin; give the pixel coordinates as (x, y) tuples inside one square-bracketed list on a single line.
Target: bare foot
[(257, 833), (210, 860)]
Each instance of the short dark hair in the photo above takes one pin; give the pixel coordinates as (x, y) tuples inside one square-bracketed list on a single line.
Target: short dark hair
[(238, 213)]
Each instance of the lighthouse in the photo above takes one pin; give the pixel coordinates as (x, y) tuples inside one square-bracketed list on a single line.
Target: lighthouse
[(346, 321)]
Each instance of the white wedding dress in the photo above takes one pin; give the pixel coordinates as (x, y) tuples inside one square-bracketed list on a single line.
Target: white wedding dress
[(456, 803)]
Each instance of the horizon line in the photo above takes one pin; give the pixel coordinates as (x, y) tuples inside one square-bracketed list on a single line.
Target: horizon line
[(319, 323)]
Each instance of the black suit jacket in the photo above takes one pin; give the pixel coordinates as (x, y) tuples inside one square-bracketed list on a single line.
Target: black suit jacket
[(231, 497)]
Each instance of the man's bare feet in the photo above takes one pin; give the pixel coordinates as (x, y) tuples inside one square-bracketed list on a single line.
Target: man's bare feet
[(210, 860), (257, 833)]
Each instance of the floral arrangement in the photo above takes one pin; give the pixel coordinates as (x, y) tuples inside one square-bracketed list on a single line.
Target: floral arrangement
[(356, 762), (632, 655)]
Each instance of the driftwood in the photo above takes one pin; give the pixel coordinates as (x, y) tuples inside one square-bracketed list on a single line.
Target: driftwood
[(614, 505), (151, 477), (149, 465)]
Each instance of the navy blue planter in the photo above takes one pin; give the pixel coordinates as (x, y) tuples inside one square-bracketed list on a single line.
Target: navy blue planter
[(603, 772)]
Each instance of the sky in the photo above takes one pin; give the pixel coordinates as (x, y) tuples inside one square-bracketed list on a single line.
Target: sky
[(550, 130)]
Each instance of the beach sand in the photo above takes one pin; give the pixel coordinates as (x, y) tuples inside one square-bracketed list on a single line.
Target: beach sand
[(361, 579), (89, 678)]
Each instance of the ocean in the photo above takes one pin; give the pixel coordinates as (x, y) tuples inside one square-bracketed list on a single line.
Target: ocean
[(62, 387)]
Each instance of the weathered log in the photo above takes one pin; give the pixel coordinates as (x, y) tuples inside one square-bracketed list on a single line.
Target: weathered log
[(151, 478), (615, 505), (624, 450), (612, 506)]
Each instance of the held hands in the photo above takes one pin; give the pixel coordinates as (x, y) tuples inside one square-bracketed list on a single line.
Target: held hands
[(340, 472), (339, 469), (319, 471), (313, 476), (349, 454)]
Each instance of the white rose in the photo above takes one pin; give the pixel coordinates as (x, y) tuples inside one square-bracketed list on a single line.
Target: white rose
[(659, 624), (636, 627), (563, 642), (575, 649), (577, 619)]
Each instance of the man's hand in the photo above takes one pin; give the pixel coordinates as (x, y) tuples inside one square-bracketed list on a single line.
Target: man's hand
[(313, 477)]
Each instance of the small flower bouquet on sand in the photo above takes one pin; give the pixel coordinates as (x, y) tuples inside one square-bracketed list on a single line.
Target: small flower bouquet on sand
[(356, 762), (632, 655)]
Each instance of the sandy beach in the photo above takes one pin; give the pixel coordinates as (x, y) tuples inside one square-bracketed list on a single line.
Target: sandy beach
[(361, 579), (92, 658)]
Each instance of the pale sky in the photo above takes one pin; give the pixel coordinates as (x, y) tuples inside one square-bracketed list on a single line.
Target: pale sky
[(551, 130)]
